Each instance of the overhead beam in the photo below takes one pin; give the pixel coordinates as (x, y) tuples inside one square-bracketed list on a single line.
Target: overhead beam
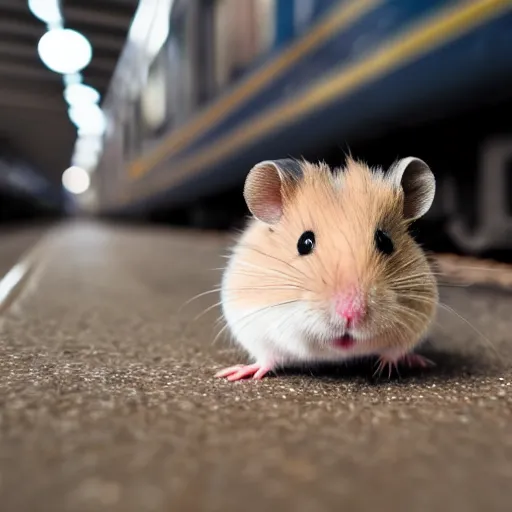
[(14, 99), (22, 71), (13, 50), (12, 69), (25, 29), (50, 89), (103, 18)]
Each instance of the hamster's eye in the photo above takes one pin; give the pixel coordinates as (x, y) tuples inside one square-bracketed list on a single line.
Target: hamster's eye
[(306, 243), (383, 242)]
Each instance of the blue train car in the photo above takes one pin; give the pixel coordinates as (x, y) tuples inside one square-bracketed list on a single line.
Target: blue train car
[(238, 81)]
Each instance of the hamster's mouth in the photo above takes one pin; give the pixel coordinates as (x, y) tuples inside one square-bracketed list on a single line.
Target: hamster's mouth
[(345, 342)]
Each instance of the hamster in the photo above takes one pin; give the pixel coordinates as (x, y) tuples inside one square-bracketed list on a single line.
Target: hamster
[(326, 270)]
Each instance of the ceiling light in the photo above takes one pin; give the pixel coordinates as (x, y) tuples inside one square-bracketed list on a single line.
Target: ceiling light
[(153, 100), (64, 50), (88, 118), (72, 78), (76, 180), (76, 94), (46, 10), (85, 158), (88, 144), (87, 161)]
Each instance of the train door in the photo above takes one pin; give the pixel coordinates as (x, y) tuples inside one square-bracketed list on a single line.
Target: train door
[(242, 33)]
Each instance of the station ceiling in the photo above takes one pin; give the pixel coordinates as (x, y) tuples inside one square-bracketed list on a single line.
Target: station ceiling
[(33, 114)]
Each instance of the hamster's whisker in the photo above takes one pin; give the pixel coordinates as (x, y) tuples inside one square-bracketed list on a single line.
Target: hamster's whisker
[(401, 270), (232, 296), (406, 288), (280, 326), (266, 287), (416, 297), (259, 275), (213, 306), (262, 280), (422, 279), (397, 308), (404, 325), (219, 319), (416, 284), (399, 275), (419, 298), (219, 334), (410, 311), (407, 278), (268, 270), (274, 258), (412, 314), (483, 268), (467, 322), (415, 289), (419, 284), (198, 296), (455, 285)]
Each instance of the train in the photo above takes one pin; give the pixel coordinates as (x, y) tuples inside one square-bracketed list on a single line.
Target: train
[(233, 82)]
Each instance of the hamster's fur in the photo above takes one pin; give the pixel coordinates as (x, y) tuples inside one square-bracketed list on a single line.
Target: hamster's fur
[(326, 269)]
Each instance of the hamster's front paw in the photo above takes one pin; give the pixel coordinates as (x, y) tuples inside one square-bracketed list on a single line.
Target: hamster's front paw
[(241, 371)]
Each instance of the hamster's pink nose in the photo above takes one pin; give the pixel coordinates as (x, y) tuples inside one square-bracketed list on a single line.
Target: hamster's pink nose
[(351, 307)]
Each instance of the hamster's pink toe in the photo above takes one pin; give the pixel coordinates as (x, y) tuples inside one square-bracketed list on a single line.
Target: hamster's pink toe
[(229, 371), (238, 372), (261, 372), (415, 360)]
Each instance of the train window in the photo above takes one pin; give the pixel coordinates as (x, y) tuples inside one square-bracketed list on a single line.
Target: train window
[(265, 25), (243, 32), (137, 136), (304, 12), (126, 138), (176, 91), (131, 135), (508, 177), (184, 72), (153, 101)]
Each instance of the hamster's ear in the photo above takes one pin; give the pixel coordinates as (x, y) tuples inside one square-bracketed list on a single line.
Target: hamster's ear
[(267, 185), (418, 184)]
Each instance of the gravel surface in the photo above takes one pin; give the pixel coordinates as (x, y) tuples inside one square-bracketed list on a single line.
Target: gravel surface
[(108, 401)]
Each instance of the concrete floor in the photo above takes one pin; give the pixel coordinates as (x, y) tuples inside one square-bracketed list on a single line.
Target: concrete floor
[(108, 401), (15, 241)]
